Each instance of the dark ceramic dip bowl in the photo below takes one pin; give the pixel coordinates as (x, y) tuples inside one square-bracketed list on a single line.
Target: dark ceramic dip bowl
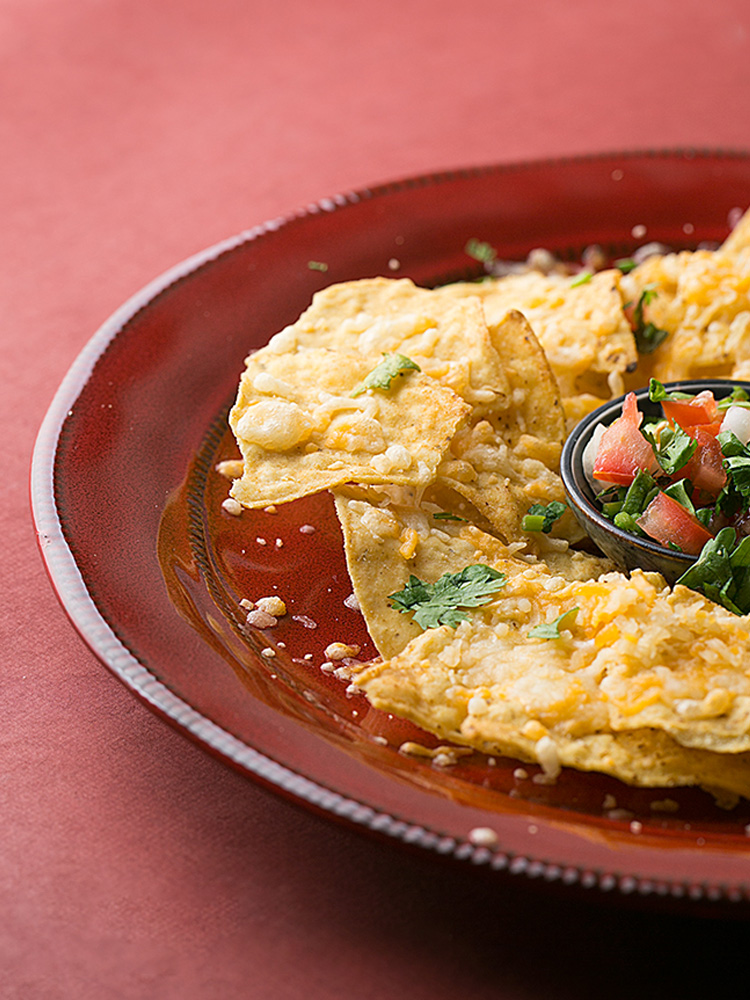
[(625, 550)]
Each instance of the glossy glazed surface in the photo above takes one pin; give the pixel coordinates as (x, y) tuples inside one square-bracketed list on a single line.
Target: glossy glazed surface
[(151, 571)]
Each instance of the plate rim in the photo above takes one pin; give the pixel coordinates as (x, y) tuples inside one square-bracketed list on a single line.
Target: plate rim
[(80, 607)]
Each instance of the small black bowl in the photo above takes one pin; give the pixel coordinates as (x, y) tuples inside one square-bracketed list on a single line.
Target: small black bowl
[(625, 550)]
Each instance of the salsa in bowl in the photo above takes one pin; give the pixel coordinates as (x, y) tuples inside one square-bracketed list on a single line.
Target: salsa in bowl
[(660, 480)]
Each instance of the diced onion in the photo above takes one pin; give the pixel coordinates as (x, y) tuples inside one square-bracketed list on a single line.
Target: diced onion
[(737, 420), (589, 457)]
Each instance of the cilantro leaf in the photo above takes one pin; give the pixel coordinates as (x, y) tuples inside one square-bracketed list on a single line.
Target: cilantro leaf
[(626, 265), (657, 392), (439, 603), (711, 574), (317, 265), (481, 251), (551, 630), (648, 336), (382, 375), (673, 448), (730, 444), (737, 397), (738, 469), (541, 518), (640, 493), (582, 279), (679, 492)]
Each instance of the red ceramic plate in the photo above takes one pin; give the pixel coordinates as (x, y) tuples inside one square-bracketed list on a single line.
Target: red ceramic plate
[(151, 570)]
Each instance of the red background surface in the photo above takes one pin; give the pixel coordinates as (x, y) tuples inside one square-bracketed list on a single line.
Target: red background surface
[(132, 134)]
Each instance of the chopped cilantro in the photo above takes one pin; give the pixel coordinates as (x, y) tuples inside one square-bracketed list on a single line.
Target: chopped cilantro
[(439, 603), (657, 392), (382, 376), (444, 515), (640, 493), (730, 444), (626, 265), (647, 335), (738, 468), (712, 573), (673, 448), (551, 630), (737, 397), (582, 279), (317, 265), (679, 492), (481, 251), (541, 518)]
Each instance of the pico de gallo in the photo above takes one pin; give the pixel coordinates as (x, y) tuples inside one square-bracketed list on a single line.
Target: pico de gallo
[(682, 479)]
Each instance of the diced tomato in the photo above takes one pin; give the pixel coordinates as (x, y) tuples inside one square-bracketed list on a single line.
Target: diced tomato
[(701, 409), (706, 466), (667, 521), (623, 450), (712, 429)]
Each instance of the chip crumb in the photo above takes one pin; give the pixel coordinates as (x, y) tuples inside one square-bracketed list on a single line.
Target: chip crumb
[(394, 264), (483, 836), (520, 774), (384, 743), (635, 826), (268, 652), (442, 756), (340, 651), (272, 605), (619, 814), (307, 656), (548, 757), (665, 805), (247, 604), (261, 541), (307, 529), (230, 468), (327, 667), (260, 619), (271, 509), (352, 602), (304, 620), (231, 506), (279, 543)]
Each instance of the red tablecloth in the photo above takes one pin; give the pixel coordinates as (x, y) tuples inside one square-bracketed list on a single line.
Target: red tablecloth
[(132, 134)]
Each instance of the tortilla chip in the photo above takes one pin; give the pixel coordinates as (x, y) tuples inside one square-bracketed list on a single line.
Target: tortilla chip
[(449, 340), (301, 431), (630, 656), (385, 544), (581, 327), (701, 299)]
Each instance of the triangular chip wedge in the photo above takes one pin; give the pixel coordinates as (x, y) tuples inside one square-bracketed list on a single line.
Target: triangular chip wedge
[(559, 661), (448, 339), (506, 459), (579, 323), (387, 541), (301, 430)]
